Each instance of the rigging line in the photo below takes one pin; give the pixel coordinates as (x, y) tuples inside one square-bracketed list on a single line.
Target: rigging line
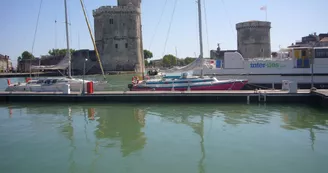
[(168, 32), (205, 15), (160, 19), (225, 9), (36, 28)]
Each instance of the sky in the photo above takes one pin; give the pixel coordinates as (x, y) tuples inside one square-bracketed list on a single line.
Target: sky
[(290, 20)]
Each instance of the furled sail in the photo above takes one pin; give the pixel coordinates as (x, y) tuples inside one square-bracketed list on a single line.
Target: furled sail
[(62, 65)]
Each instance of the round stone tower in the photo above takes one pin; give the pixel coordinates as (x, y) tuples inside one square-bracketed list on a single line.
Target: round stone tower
[(253, 39), (118, 36), (135, 3)]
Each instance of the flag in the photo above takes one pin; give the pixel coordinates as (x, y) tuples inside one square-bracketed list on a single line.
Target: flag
[(263, 8)]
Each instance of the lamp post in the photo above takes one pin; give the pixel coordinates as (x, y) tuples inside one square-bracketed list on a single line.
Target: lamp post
[(312, 61), (83, 87)]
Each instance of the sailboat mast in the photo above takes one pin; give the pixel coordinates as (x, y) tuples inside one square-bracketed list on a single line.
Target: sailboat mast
[(200, 34), (200, 28), (68, 53)]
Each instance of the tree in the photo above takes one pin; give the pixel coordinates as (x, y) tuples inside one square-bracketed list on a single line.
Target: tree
[(147, 54), (146, 63), (169, 60), (188, 60), (19, 58), (59, 52), (181, 62), (27, 56)]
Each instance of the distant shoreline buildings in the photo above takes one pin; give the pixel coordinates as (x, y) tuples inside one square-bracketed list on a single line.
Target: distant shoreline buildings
[(311, 40), (5, 64), (253, 41)]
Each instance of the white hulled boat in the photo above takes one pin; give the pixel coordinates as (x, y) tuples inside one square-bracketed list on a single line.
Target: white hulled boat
[(293, 64), (57, 84)]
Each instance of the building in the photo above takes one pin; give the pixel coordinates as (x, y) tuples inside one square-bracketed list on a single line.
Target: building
[(253, 39), (323, 42), (218, 53), (78, 59), (156, 63), (5, 64), (312, 40), (118, 36)]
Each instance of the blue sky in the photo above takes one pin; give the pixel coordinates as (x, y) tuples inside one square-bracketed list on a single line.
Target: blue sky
[(291, 19)]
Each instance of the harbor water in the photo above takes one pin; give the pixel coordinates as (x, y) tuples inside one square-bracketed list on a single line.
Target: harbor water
[(161, 138), (137, 138)]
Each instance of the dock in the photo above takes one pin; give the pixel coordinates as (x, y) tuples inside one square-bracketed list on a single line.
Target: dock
[(240, 96)]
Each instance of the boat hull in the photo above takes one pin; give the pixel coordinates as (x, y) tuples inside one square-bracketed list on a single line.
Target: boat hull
[(74, 87), (234, 85)]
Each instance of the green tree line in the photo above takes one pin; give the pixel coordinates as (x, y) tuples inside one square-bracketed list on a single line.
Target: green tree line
[(26, 55), (167, 61)]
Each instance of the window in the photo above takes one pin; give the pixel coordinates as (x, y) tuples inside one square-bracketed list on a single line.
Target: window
[(111, 21), (116, 46), (126, 45)]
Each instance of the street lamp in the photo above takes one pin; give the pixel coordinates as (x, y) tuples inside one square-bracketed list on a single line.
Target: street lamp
[(83, 87), (312, 62)]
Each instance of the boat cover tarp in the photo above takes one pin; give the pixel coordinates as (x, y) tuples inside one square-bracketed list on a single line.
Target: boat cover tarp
[(196, 64), (62, 65)]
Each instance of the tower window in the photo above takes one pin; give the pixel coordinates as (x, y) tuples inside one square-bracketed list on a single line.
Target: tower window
[(126, 45), (116, 46), (111, 21)]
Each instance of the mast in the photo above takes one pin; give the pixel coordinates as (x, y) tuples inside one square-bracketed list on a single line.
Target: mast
[(93, 40), (200, 32), (68, 53)]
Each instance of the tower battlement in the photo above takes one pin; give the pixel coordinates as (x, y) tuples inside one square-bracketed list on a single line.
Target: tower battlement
[(253, 24), (115, 9)]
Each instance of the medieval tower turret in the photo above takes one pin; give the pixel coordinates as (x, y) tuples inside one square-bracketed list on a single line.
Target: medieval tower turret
[(118, 36)]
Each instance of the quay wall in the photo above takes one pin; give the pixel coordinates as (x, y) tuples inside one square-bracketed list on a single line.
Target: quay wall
[(171, 97)]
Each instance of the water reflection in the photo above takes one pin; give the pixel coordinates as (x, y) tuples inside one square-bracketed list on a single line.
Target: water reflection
[(123, 125)]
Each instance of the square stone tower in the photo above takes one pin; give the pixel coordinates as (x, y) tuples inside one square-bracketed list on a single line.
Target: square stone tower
[(118, 36)]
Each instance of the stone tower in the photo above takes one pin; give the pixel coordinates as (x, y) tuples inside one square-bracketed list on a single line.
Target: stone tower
[(118, 36), (253, 39)]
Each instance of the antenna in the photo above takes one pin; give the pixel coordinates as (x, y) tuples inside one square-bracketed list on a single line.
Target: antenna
[(55, 34)]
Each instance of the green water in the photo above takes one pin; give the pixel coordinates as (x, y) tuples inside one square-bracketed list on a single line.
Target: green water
[(115, 82), (163, 138)]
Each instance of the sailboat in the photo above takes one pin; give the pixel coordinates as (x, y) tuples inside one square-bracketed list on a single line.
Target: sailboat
[(185, 81), (57, 84)]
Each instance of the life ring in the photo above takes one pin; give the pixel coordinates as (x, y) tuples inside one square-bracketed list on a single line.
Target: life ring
[(135, 80)]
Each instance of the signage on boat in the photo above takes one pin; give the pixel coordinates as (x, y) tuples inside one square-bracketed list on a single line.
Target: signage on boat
[(266, 65)]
